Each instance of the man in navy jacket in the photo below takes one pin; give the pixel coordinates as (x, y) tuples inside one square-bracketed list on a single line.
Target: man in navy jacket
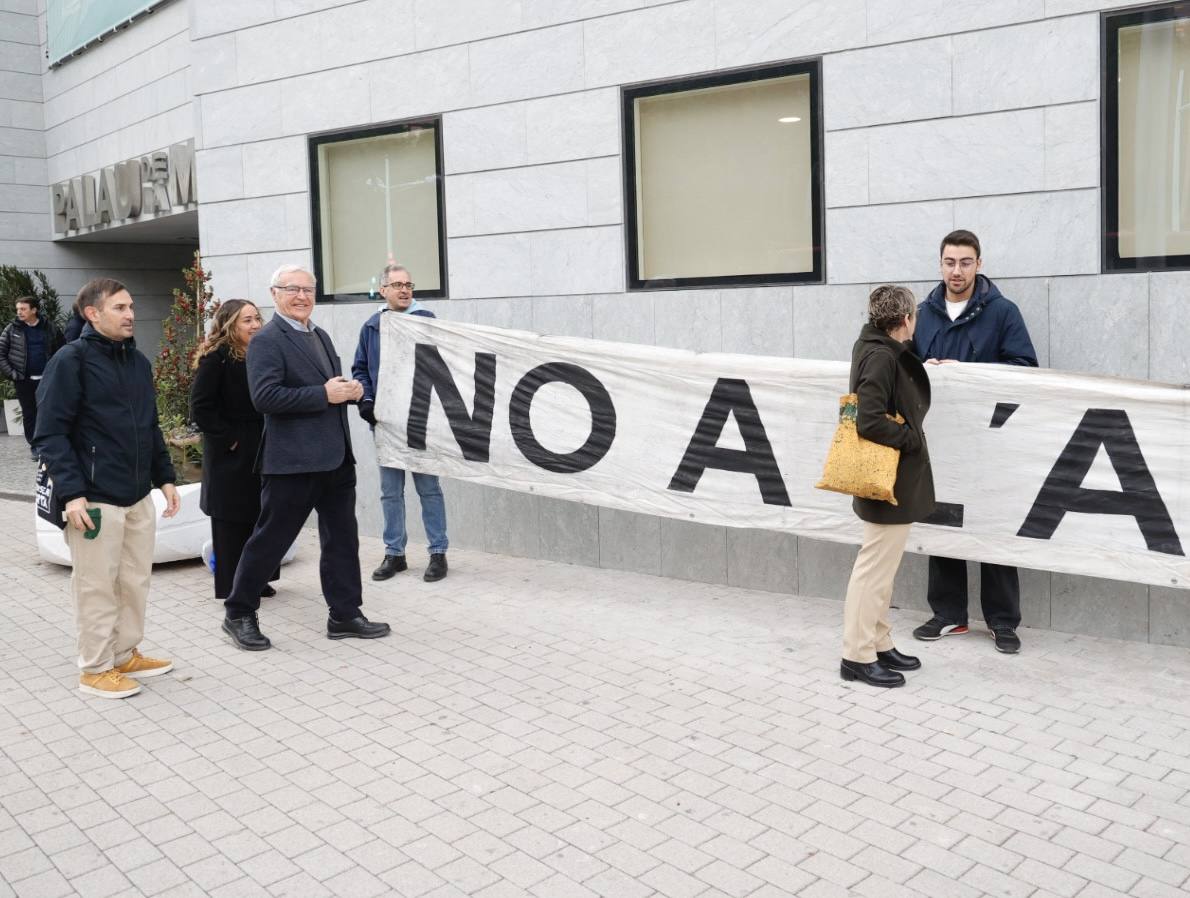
[(966, 319), (397, 289), (306, 464), (98, 436)]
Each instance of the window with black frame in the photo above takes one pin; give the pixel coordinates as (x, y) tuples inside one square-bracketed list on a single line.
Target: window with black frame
[(1146, 138), (723, 179), (377, 197)]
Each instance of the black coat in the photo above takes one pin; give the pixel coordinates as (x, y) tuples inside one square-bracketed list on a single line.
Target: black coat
[(889, 378), (74, 327), (221, 406), (304, 432), (97, 429)]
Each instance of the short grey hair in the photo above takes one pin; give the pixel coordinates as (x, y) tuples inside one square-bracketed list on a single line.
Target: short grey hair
[(889, 305), (389, 269), (288, 269)]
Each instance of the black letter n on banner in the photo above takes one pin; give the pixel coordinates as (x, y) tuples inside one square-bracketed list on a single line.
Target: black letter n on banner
[(1063, 490), (731, 397), (473, 432)]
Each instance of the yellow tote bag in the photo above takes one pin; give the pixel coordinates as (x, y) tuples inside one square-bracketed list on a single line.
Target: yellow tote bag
[(856, 466)]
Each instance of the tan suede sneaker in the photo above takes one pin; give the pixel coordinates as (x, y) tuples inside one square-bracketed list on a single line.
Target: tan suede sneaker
[(139, 667), (108, 683)]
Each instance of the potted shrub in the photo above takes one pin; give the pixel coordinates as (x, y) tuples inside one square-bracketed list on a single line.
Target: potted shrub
[(173, 373), (12, 408)]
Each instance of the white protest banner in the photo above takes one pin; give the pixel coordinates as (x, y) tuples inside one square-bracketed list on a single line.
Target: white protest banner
[(1036, 468)]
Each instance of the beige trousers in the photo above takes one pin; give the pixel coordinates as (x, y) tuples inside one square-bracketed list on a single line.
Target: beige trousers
[(110, 583), (866, 630)]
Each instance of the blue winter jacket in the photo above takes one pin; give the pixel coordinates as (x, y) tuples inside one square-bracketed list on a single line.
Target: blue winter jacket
[(366, 367), (990, 329)]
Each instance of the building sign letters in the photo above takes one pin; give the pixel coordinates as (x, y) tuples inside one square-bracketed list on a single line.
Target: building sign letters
[(152, 185)]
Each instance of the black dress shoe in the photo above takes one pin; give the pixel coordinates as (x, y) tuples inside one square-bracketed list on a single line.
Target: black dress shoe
[(874, 674), (436, 569), (245, 633), (358, 627), (268, 592), (391, 566), (894, 660)]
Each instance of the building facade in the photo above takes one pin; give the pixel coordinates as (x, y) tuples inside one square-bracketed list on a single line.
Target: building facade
[(532, 162)]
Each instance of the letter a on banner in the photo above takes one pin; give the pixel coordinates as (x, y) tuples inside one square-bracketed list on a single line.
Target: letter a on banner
[(1063, 490), (731, 397)]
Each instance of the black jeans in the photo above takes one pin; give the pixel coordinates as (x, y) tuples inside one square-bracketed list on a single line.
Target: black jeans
[(999, 592), (286, 500), (27, 397)]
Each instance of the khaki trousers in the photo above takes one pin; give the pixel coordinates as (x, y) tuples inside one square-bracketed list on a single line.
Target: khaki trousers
[(866, 630), (110, 583)]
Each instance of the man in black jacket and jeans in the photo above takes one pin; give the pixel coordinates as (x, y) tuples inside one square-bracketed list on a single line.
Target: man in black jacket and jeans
[(98, 436), (26, 346), (966, 319)]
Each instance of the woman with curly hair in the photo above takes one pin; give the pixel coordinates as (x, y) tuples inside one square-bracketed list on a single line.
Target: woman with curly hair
[(221, 406), (887, 378)]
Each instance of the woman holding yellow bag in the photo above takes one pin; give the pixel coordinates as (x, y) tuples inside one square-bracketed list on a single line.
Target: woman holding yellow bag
[(888, 379)]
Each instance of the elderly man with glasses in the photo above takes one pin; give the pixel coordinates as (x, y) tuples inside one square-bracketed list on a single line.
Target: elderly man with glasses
[(397, 289), (306, 464)]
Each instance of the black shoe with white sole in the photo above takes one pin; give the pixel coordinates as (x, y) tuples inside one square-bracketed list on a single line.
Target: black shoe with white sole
[(936, 628), (1006, 640)]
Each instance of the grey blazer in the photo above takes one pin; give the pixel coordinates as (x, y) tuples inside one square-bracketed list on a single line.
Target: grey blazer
[(303, 432)]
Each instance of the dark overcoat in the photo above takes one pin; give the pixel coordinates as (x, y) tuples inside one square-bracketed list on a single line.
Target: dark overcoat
[(221, 406), (303, 431), (889, 378)]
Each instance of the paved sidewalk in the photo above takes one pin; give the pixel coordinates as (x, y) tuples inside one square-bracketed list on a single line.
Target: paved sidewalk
[(17, 470), (533, 728)]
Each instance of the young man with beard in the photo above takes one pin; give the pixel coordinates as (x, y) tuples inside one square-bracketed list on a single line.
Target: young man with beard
[(966, 319)]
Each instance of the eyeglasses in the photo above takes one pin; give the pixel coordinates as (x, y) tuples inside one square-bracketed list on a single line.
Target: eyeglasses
[(293, 289), (400, 285), (965, 264)]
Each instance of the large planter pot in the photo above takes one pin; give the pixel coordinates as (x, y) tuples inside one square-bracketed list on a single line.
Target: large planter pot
[(186, 535), (178, 538), (12, 418)]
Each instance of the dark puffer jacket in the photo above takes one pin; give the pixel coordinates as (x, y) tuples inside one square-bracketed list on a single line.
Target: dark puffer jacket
[(14, 356), (97, 426), (889, 378), (990, 329)]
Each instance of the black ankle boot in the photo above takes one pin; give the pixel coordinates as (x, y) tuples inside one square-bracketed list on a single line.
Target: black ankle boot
[(894, 660), (874, 674)]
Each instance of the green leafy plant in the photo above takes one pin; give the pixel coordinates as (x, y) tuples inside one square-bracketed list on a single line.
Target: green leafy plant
[(181, 334)]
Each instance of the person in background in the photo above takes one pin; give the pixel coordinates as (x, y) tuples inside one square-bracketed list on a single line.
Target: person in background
[(887, 378), (74, 327), (98, 436), (221, 406), (26, 346), (396, 287), (967, 319)]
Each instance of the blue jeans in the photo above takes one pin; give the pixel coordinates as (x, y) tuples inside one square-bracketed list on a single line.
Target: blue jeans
[(392, 502)]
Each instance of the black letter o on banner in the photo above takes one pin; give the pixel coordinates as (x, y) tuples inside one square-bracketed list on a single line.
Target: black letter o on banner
[(603, 418)]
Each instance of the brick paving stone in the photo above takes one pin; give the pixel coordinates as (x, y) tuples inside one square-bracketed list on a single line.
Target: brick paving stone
[(604, 733)]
